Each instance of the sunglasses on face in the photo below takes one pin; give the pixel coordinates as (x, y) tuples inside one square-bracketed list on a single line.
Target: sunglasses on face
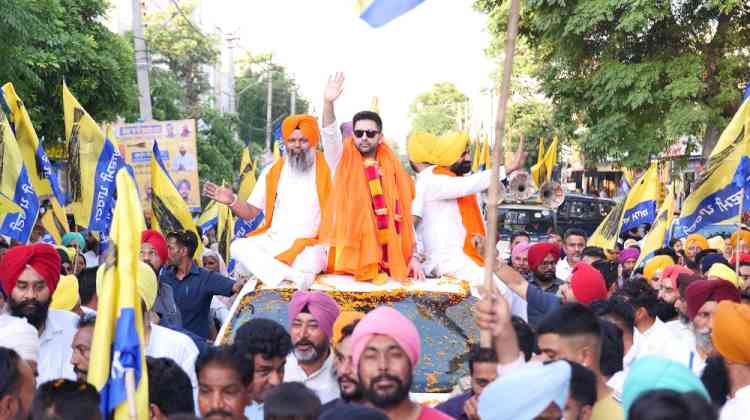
[(361, 133)]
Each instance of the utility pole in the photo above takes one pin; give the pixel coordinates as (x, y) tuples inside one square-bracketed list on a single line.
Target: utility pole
[(141, 63), (230, 82), (269, 108), (293, 104)]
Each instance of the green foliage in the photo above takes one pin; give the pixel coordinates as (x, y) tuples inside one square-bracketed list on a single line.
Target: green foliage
[(438, 110), (46, 41), (627, 79), (218, 152), (179, 46), (251, 87)]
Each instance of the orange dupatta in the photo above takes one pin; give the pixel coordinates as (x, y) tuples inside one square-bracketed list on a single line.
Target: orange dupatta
[(323, 185), (471, 217), (349, 226)]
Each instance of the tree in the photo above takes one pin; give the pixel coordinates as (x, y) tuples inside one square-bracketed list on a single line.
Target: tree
[(175, 43), (251, 91), (438, 110), (47, 41), (629, 78), (218, 151)]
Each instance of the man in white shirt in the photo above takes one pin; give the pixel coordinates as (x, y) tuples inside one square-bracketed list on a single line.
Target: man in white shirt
[(574, 241), (30, 276), (311, 318), (452, 224), (183, 161), (731, 336), (291, 192)]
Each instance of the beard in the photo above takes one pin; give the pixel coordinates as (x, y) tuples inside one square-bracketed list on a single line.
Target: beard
[(666, 311), (354, 395), (301, 161), (703, 341), (33, 310), (546, 276), (314, 354), (461, 168), (388, 399)]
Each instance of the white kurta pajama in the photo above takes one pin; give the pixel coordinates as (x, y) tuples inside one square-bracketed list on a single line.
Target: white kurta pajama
[(296, 215), (443, 232)]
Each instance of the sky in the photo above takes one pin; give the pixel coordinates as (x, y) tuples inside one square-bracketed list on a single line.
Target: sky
[(438, 41)]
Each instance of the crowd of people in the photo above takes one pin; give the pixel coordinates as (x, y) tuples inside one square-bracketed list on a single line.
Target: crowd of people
[(575, 332)]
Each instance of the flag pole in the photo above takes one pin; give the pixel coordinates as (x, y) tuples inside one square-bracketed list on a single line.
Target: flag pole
[(498, 157), (738, 246), (130, 390)]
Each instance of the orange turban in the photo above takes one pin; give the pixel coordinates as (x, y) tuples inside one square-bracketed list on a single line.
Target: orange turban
[(745, 235), (306, 123), (696, 239), (345, 318), (731, 331)]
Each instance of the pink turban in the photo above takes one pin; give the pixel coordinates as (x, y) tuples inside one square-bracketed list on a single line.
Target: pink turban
[(672, 272), (323, 308), (520, 249), (628, 254), (389, 322)]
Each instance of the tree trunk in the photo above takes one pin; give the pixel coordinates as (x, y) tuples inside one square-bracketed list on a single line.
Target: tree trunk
[(710, 138)]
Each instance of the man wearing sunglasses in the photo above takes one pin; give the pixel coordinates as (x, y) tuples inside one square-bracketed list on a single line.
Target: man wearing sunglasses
[(367, 221), (291, 192)]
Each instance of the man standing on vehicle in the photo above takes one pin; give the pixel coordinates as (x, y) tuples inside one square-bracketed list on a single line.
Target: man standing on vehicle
[(574, 241), (452, 224)]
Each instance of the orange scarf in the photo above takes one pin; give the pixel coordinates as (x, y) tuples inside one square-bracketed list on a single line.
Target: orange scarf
[(349, 224), (471, 217), (323, 185)]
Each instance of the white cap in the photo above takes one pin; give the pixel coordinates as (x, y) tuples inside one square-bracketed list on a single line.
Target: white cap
[(20, 336)]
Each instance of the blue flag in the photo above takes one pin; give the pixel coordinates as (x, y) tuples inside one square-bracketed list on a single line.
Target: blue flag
[(242, 227)]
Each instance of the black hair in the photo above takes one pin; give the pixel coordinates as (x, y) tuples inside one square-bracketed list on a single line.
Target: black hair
[(169, 386), (609, 270), (616, 308), (227, 357), (641, 295), (10, 374), (348, 329), (87, 284), (716, 380), (669, 252), (672, 242), (63, 399), (613, 348), (582, 384), (64, 257), (479, 354), (186, 238), (291, 401), (87, 320), (593, 251), (702, 253), (368, 115), (574, 232), (517, 233), (569, 320), (666, 404), (263, 336), (525, 336)]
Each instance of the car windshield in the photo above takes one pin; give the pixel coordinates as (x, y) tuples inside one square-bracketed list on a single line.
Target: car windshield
[(538, 222), (444, 322)]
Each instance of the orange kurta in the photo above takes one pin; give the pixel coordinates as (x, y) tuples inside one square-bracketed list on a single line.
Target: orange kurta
[(349, 227), (471, 218), (323, 186)]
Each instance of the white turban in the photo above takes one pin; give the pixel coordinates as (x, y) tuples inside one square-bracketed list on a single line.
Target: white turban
[(20, 336)]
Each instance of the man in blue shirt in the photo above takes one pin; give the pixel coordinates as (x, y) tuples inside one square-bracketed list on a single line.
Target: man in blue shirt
[(193, 286)]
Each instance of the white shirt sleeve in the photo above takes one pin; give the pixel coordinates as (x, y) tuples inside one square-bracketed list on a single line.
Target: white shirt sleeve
[(333, 145), (443, 187), (257, 198)]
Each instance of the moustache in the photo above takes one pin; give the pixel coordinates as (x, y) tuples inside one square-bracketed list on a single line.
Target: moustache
[(386, 377), (347, 379), (304, 342), (220, 413)]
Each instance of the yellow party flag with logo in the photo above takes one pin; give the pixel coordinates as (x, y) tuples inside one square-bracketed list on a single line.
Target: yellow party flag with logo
[(247, 175)]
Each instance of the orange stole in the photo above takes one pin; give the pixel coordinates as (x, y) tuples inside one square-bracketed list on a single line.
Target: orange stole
[(349, 226), (471, 217), (323, 185)]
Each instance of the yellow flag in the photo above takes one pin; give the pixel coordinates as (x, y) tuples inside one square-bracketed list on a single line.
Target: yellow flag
[(658, 236), (210, 217), (735, 131), (247, 175), (550, 159), (375, 106), (475, 158), (48, 223), (93, 161), (169, 212), (224, 230), (8, 206), (118, 343), (605, 236), (485, 161), (542, 170)]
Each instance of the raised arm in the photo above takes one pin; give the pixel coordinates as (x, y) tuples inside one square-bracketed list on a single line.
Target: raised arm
[(492, 313), (512, 278), (226, 196), (331, 135)]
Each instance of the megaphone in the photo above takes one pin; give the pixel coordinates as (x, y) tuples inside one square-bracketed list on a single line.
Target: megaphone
[(519, 186), (552, 194)]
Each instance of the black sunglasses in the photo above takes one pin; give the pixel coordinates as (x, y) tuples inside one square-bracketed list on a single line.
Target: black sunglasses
[(370, 133)]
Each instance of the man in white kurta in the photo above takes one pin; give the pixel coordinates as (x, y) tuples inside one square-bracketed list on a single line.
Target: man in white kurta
[(300, 184)]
